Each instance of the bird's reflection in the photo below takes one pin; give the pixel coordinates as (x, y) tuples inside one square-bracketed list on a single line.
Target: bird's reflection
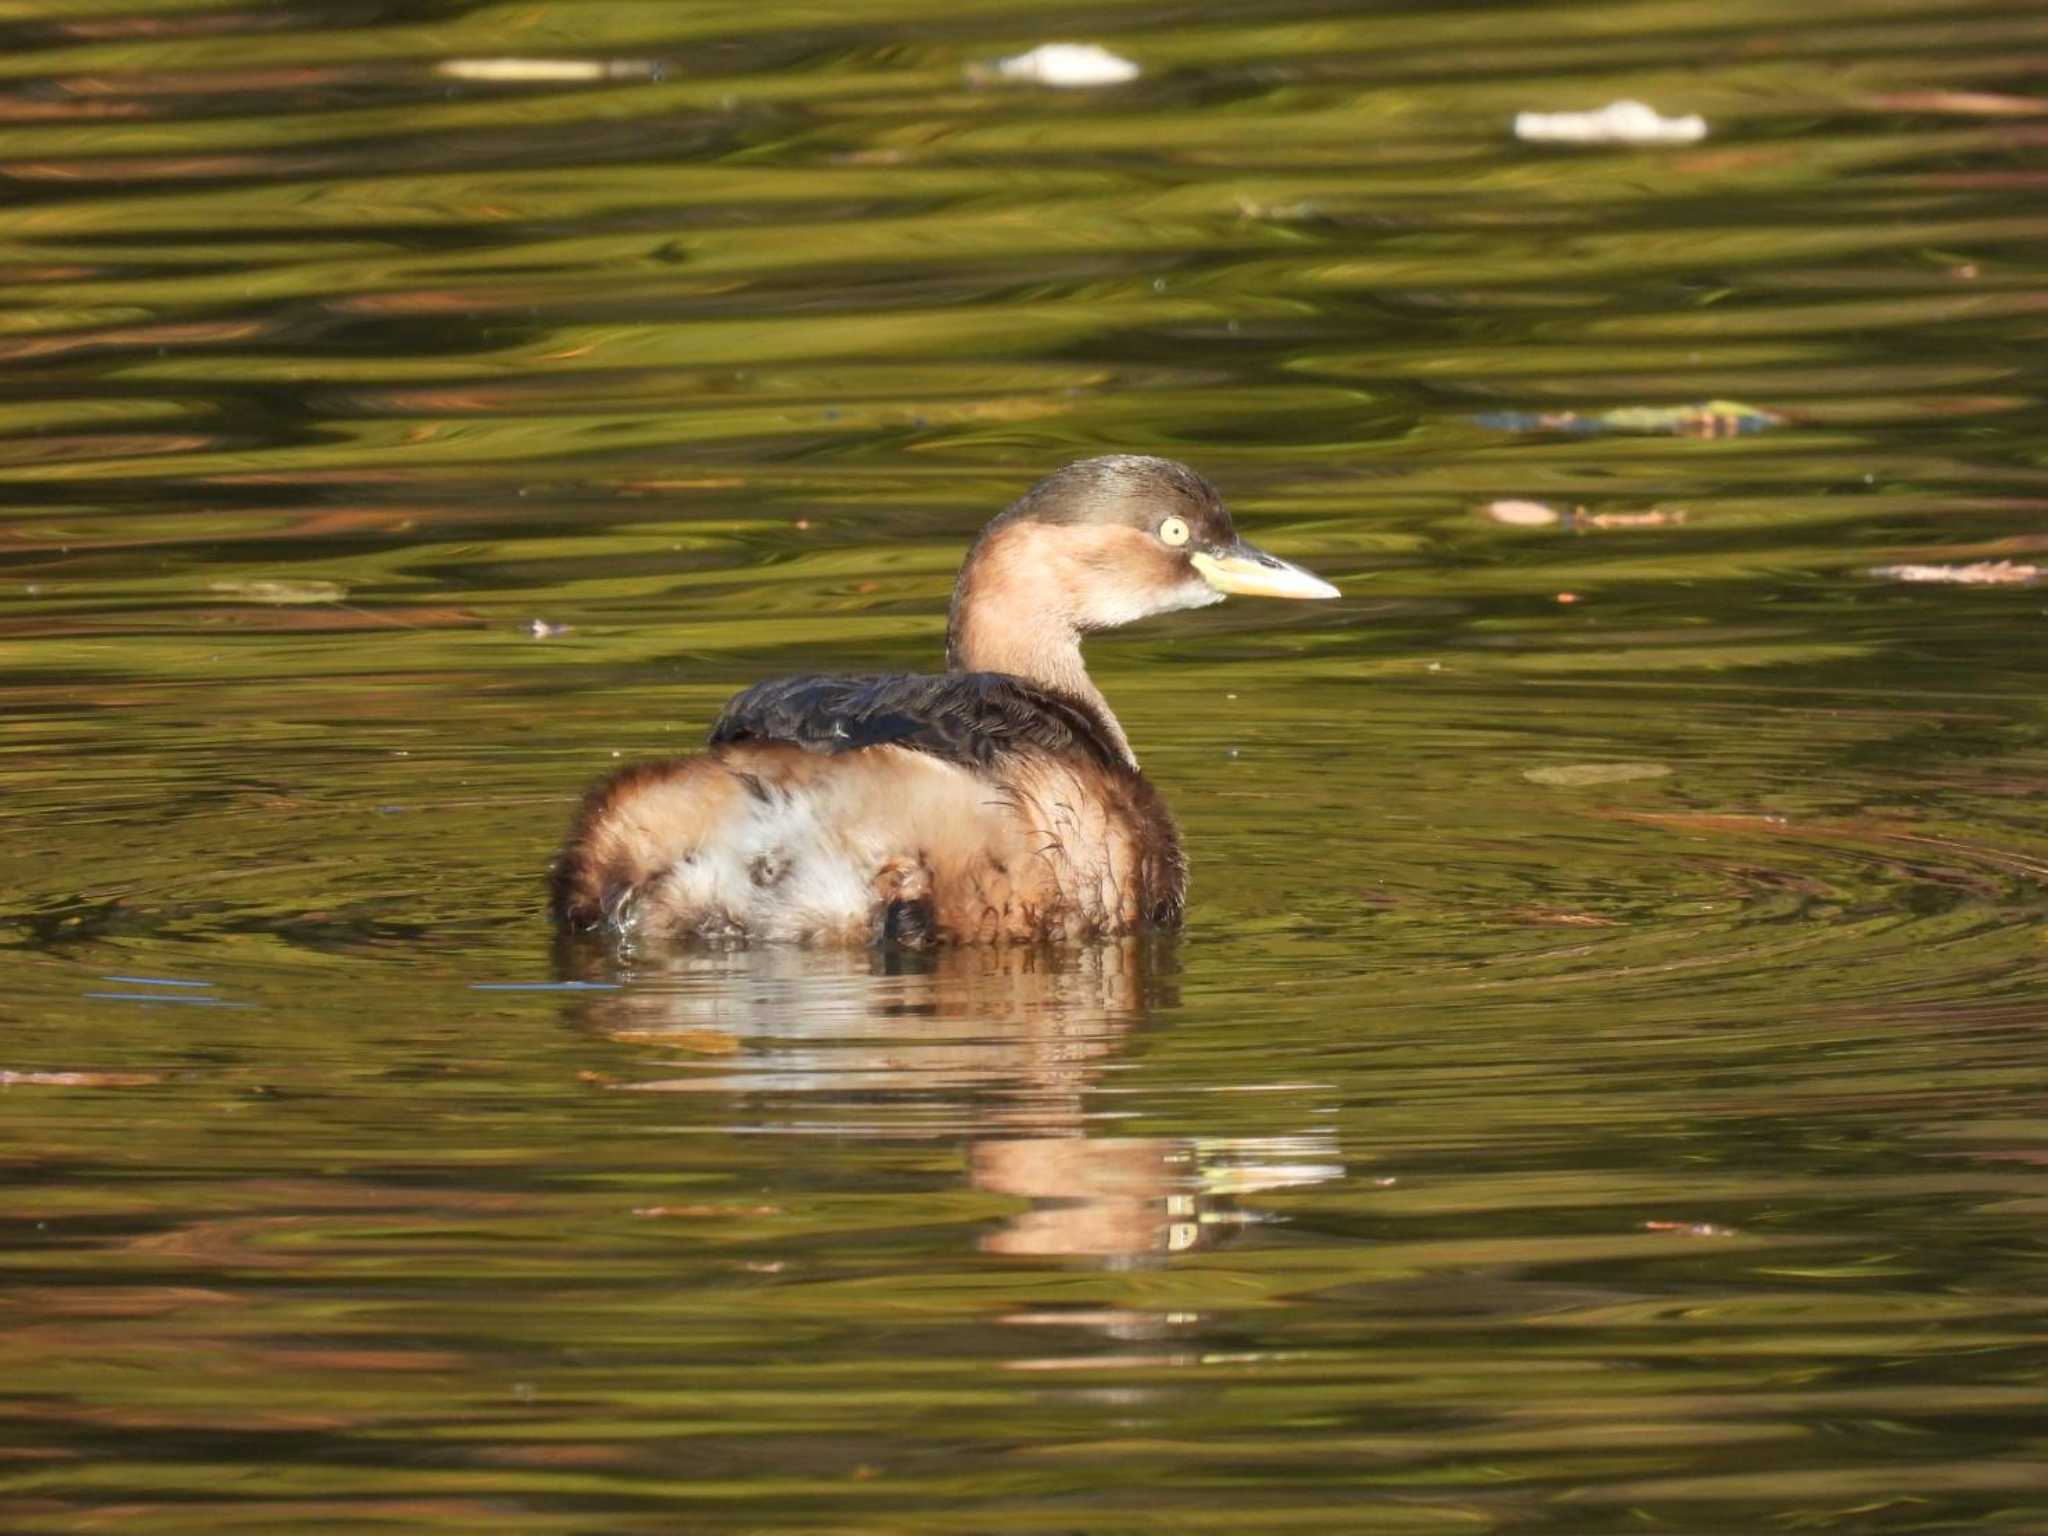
[(1005, 1048)]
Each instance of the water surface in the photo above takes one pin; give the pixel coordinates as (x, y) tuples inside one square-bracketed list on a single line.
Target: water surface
[(1600, 1085)]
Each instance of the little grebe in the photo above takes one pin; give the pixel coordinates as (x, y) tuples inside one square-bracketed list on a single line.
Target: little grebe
[(999, 800)]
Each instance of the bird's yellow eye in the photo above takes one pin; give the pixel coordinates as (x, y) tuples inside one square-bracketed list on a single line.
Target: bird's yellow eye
[(1174, 531)]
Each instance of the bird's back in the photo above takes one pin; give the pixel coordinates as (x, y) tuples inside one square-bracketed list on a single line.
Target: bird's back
[(945, 808)]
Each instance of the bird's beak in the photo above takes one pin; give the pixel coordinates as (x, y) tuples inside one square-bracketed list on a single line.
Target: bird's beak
[(1248, 571)]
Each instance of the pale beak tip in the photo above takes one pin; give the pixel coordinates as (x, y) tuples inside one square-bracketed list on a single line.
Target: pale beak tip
[(1254, 573)]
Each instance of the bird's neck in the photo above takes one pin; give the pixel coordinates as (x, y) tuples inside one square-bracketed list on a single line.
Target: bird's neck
[(1013, 612)]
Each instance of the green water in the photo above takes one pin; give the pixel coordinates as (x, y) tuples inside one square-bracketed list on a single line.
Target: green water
[(1601, 1085)]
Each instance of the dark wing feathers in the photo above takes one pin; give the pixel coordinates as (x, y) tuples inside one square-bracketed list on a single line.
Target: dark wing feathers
[(964, 717)]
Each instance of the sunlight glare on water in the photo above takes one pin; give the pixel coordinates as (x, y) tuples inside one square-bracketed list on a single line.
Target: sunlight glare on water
[(1599, 1087)]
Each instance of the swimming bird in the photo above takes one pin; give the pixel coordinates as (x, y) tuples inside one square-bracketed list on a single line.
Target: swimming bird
[(996, 801)]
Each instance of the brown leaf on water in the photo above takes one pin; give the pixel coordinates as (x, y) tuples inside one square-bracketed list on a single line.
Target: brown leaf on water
[(1959, 103), (79, 1079), (1651, 519)]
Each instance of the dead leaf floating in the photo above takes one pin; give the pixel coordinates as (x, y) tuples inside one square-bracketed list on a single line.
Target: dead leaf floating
[(1656, 517), (1960, 103), (282, 593), (1981, 573), (10, 1079), (1534, 514)]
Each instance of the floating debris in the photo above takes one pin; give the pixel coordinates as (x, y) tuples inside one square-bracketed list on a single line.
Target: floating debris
[(1959, 103), (282, 593), (1534, 514), (1715, 418), (1654, 518), (1577, 775), (1066, 66), (1711, 418), (545, 629), (1981, 573), (1278, 213), (1523, 514), (9, 1079), (547, 71), (1689, 1228), (1619, 122)]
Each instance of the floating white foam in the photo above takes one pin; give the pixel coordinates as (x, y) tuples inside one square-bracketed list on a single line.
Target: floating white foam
[(1619, 122), (1067, 65)]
